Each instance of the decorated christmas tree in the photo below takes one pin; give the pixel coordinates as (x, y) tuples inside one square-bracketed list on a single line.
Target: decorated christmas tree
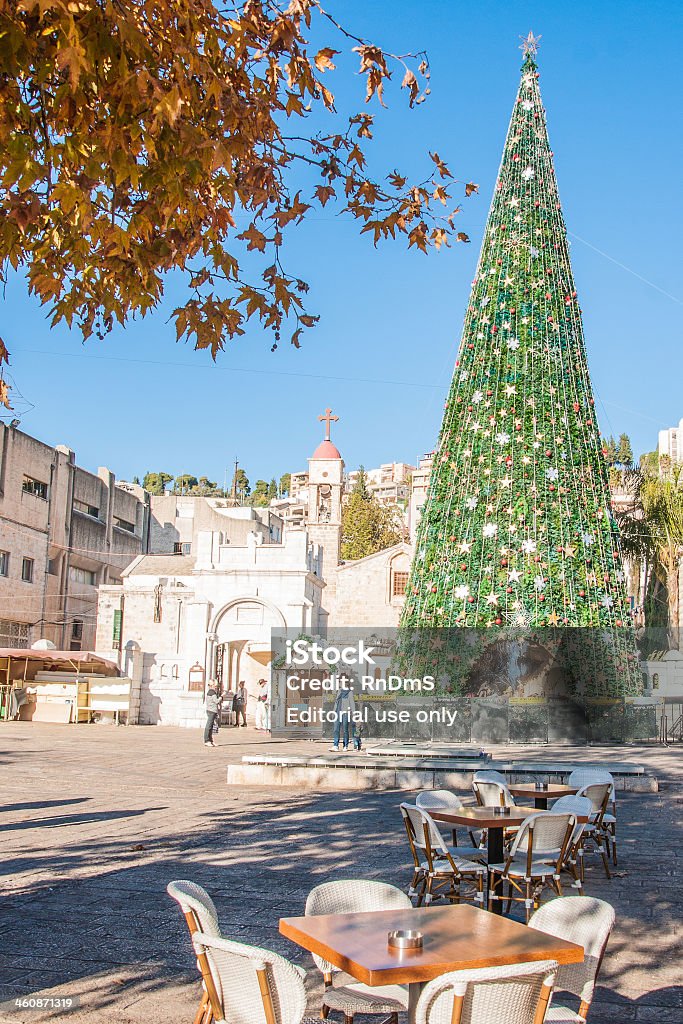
[(517, 534)]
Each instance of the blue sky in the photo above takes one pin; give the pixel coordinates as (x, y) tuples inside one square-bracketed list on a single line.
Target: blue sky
[(383, 353)]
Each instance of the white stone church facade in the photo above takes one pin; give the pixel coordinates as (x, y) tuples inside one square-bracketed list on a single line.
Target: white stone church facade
[(203, 607)]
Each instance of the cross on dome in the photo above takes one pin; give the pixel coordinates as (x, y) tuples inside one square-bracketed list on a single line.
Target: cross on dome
[(327, 419), (326, 449)]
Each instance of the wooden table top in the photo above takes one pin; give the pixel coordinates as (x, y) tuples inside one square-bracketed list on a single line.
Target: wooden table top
[(458, 937), (551, 792), (482, 817)]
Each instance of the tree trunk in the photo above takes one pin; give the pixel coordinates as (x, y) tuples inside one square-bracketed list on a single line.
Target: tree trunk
[(672, 586)]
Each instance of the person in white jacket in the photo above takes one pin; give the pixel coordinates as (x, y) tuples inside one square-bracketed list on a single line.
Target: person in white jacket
[(263, 706)]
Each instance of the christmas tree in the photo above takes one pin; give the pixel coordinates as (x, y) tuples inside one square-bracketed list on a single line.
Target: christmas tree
[(517, 533)]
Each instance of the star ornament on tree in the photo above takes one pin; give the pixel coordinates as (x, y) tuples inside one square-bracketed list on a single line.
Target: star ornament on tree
[(529, 44)]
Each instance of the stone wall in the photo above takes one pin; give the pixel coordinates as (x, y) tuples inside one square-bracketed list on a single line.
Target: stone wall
[(363, 590)]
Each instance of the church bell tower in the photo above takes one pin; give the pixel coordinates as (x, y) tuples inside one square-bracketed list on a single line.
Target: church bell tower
[(325, 483)]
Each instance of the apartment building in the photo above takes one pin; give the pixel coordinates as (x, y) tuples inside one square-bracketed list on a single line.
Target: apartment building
[(63, 532)]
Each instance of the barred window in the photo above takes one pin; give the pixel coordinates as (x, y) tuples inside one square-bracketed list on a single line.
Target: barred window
[(399, 585), (13, 634)]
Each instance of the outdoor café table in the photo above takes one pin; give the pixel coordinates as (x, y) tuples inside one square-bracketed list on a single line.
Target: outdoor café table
[(552, 791), (484, 817), (456, 938)]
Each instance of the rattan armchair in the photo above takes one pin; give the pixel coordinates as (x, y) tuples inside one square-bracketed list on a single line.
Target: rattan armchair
[(249, 985), (444, 799), (587, 922), (201, 916), (581, 807), (535, 860), (581, 777), (342, 992), (514, 994), (596, 831), (441, 871), (492, 793), (489, 775)]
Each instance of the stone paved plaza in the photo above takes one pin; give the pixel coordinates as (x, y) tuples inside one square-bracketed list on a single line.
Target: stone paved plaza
[(96, 820)]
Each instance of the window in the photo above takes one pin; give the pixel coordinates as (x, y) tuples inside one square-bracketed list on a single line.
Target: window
[(53, 566), (78, 575), (27, 570), (76, 635), (181, 548), (116, 629), (37, 487), (123, 524), (87, 510), (13, 634), (4, 563), (399, 584)]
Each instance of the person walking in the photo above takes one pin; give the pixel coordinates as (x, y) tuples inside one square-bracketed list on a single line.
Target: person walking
[(344, 710), (263, 706), (240, 704), (228, 705), (212, 704)]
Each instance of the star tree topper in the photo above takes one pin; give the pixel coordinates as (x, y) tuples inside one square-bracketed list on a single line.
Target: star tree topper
[(530, 44)]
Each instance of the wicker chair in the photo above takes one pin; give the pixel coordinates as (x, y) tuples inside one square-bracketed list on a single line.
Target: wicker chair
[(581, 777), (581, 807), (342, 992), (200, 914), (535, 860), (490, 775), (587, 922), (249, 985), (443, 799), (599, 794), (442, 870), (492, 793), (514, 994)]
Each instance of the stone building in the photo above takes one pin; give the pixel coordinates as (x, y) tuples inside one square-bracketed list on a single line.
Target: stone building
[(178, 620), (217, 579), (418, 493), (371, 591), (670, 442), (390, 483), (63, 532)]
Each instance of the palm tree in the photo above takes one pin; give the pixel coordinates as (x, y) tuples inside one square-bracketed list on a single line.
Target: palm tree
[(651, 526)]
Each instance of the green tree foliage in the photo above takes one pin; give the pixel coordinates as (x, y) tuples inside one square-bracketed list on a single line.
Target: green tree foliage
[(139, 140), (240, 484), (156, 483), (206, 486), (272, 490), (285, 484), (625, 451), (609, 448), (367, 526), (185, 483), (259, 495), (649, 463), (652, 534)]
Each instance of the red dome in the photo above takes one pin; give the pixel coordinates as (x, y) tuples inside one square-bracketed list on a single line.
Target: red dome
[(326, 450)]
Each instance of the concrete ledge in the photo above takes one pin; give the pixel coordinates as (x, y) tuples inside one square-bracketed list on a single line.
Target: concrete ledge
[(356, 772)]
